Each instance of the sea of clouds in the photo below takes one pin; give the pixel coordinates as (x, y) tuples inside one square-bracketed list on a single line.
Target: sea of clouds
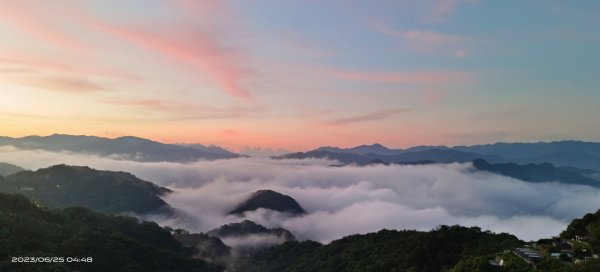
[(346, 200)]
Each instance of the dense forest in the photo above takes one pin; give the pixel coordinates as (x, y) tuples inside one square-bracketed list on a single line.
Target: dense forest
[(62, 186), (96, 242), (388, 250)]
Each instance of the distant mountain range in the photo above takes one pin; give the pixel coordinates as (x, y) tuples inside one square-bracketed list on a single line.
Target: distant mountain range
[(561, 153), (433, 155), (213, 149), (64, 186), (536, 173), (584, 155), (125, 148)]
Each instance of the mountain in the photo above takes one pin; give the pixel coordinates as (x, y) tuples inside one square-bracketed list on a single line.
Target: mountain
[(246, 237), (363, 149), (526, 150), (566, 159), (248, 227), (212, 149), (544, 172), (441, 249), (63, 186), (593, 174), (268, 199), (7, 169), (104, 242), (125, 148), (321, 154), (206, 247), (560, 153), (584, 236), (586, 228), (434, 155)]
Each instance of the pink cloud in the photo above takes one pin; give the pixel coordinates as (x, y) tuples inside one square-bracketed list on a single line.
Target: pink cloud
[(192, 46), (199, 38), (28, 18)]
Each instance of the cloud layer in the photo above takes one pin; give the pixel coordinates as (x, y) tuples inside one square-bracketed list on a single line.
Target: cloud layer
[(348, 200)]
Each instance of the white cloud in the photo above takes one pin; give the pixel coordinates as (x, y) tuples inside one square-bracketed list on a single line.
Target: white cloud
[(345, 200)]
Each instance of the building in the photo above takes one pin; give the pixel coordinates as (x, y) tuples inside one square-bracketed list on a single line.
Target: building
[(530, 256)]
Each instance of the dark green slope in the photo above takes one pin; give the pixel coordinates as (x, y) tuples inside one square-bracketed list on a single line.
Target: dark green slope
[(114, 243), (64, 186), (386, 250), (268, 199), (248, 227), (588, 226)]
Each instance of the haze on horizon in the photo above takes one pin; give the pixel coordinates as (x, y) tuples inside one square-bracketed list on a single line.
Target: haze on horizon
[(298, 75)]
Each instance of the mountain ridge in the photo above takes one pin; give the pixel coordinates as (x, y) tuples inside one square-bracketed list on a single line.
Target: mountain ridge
[(62, 186), (268, 199), (565, 153), (124, 148), (7, 169), (545, 172)]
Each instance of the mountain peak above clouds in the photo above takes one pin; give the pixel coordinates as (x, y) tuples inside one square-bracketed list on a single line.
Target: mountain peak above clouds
[(268, 199)]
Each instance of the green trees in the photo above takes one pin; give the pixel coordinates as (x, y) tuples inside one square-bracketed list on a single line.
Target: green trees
[(441, 249), (112, 243), (62, 186)]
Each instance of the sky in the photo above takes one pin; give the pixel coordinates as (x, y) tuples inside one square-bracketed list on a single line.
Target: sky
[(301, 74)]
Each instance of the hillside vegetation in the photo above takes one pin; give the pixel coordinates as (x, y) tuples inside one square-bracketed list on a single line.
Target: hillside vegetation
[(105, 242), (64, 186)]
